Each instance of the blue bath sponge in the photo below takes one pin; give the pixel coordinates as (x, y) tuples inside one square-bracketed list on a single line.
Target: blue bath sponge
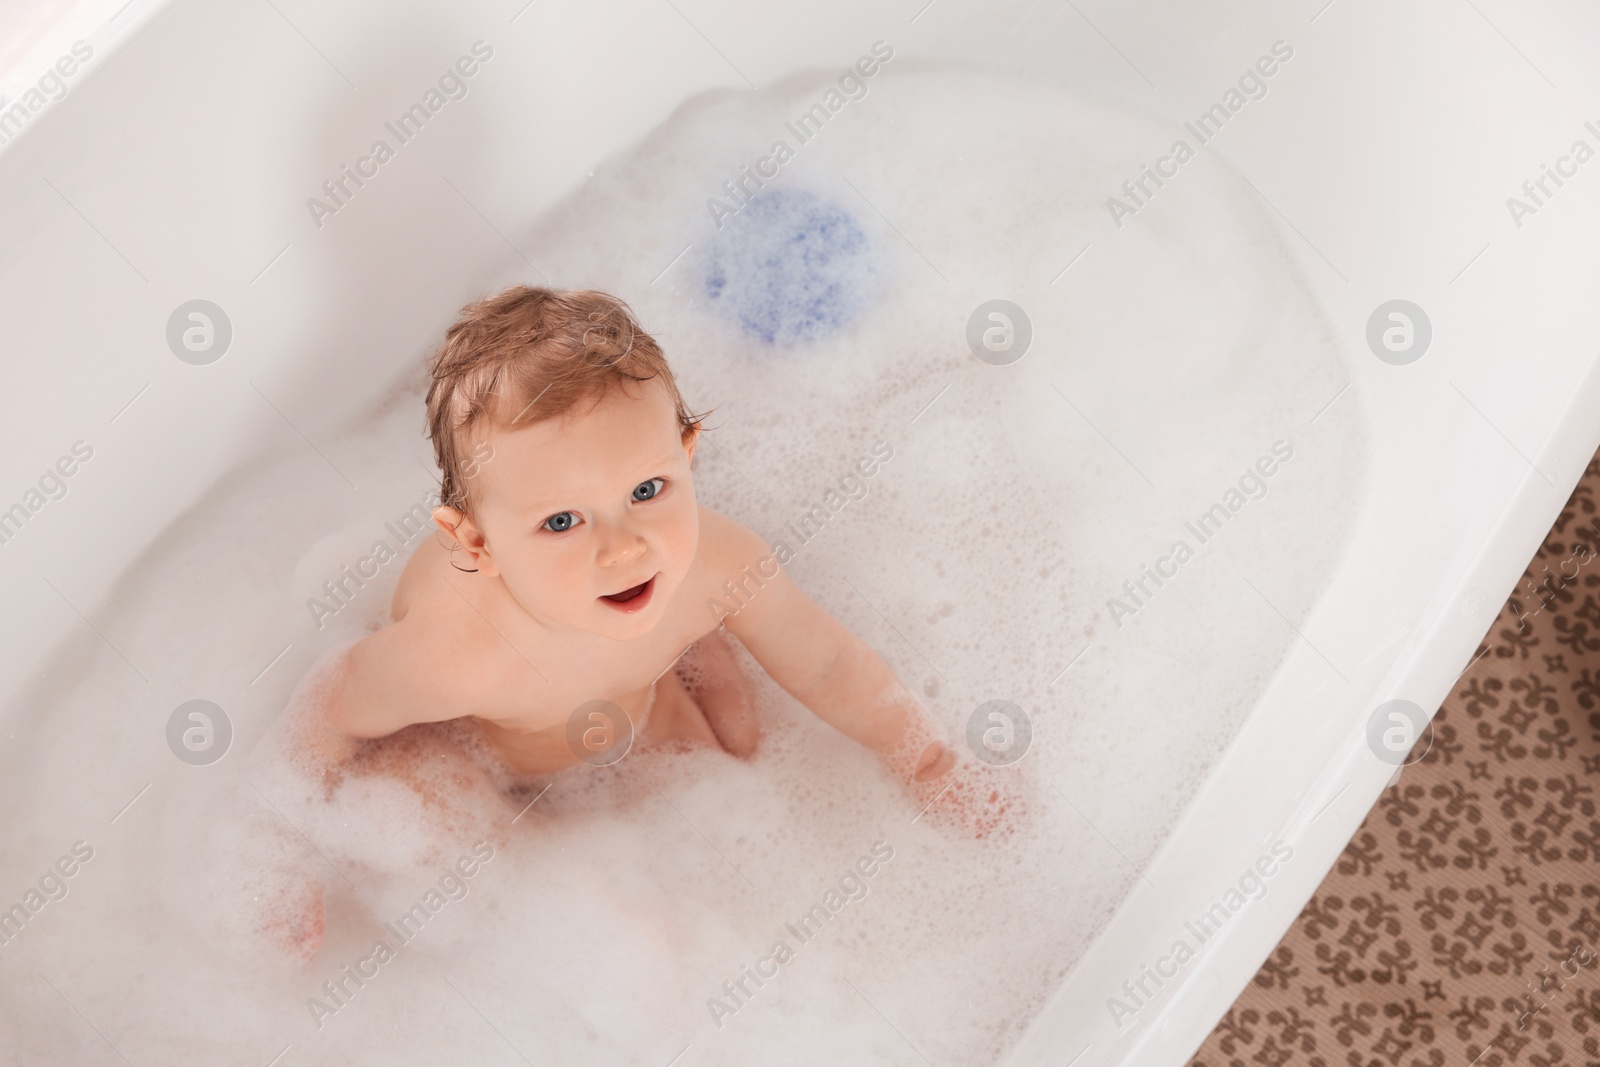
[(790, 267)]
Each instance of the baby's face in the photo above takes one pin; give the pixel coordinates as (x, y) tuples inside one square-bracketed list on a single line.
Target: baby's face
[(590, 518)]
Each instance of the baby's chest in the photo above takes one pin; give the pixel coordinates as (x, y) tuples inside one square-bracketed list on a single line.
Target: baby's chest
[(561, 677)]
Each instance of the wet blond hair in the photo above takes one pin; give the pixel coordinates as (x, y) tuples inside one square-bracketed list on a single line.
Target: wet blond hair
[(526, 354)]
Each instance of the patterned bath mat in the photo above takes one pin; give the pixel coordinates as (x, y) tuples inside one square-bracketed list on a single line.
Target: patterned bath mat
[(1461, 925)]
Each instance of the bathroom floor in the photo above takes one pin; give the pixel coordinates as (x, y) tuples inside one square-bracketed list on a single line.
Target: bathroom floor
[(1462, 923)]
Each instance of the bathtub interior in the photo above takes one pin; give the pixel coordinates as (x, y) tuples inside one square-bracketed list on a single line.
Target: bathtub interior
[(1168, 359)]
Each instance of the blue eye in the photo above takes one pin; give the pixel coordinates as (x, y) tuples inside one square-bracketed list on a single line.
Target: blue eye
[(648, 490), (561, 523)]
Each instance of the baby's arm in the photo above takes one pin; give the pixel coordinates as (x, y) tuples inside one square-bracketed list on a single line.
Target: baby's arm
[(387, 681), (819, 662)]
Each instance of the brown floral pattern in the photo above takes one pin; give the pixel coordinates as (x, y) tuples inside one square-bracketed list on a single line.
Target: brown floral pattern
[(1461, 925)]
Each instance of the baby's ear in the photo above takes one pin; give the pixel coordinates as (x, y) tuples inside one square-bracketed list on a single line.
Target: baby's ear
[(447, 518), (691, 437), (456, 526), (468, 539)]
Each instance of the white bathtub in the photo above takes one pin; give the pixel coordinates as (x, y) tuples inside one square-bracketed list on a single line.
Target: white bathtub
[(180, 161)]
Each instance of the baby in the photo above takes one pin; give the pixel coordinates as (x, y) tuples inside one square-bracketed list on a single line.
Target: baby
[(572, 585)]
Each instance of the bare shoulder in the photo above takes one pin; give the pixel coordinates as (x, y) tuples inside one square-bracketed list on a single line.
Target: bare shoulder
[(419, 574), (419, 668), (735, 570), (726, 547), (749, 594)]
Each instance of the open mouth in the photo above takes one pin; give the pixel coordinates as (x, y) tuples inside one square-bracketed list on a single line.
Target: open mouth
[(634, 598)]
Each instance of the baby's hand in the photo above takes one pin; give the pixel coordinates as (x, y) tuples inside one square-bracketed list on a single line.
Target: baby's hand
[(952, 791), (962, 794)]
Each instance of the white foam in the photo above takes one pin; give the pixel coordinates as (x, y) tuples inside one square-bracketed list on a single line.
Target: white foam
[(978, 563)]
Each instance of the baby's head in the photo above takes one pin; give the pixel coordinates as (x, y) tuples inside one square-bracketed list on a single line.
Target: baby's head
[(565, 448)]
